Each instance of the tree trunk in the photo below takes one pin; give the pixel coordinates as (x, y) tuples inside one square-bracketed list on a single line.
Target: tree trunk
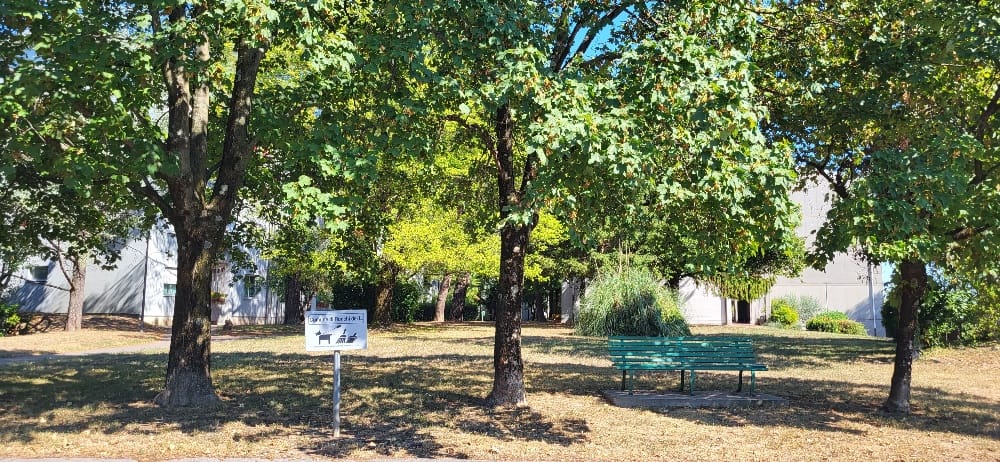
[(555, 303), (77, 284), (540, 307), (508, 367), (458, 300), (293, 293), (383, 296), (189, 378), (442, 299), (508, 378), (913, 286)]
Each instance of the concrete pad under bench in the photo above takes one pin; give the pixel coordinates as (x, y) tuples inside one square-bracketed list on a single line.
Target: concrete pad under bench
[(653, 399)]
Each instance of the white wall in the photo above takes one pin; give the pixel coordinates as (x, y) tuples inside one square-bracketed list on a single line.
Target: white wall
[(120, 290)]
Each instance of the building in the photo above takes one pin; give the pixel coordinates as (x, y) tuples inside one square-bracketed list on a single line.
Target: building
[(143, 283)]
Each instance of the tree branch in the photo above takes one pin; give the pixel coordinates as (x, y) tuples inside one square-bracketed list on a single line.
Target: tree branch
[(44, 284), (60, 262), (237, 148), (599, 26), (481, 132), (146, 189), (967, 232)]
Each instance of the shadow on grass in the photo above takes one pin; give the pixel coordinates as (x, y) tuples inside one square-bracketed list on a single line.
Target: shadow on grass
[(396, 405), (19, 353), (836, 406), (389, 404)]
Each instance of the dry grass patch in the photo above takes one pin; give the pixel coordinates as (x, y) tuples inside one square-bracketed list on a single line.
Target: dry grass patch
[(47, 337), (417, 392)]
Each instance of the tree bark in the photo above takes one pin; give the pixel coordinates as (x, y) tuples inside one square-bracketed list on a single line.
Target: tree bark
[(540, 307), (555, 303), (442, 299), (458, 300), (388, 272), (77, 284), (189, 377), (913, 286), (508, 378), (508, 366), (293, 293)]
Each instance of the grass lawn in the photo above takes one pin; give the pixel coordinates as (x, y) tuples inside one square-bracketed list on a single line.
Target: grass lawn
[(99, 331), (417, 392)]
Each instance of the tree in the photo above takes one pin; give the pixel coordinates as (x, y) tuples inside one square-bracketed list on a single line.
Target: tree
[(893, 104), (113, 70), (435, 241), (583, 106), (48, 217)]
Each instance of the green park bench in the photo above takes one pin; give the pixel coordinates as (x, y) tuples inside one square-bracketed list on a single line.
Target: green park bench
[(684, 354)]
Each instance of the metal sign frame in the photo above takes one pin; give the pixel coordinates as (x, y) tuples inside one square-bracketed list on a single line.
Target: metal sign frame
[(335, 331)]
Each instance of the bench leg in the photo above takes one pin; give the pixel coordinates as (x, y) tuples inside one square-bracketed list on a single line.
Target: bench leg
[(739, 388), (623, 379), (682, 383)]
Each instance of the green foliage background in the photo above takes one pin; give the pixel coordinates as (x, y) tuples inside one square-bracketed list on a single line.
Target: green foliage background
[(952, 313)]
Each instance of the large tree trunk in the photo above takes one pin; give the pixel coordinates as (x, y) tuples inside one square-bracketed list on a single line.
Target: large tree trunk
[(913, 286), (508, 378), (508, 367), (383, 293), (458, 299), (293, 294), (442, 299), (77, 284), (189, 378)]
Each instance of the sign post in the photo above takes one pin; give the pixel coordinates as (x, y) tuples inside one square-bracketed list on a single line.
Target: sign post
[(335, 331)]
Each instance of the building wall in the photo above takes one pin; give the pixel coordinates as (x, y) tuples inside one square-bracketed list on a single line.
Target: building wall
[(699, 306), (121, 289)]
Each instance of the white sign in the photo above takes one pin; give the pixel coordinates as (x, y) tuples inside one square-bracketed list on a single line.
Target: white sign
[(336, 330)]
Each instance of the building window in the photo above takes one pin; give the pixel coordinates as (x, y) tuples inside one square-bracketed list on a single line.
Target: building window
[(251, 285), (40, 273), (169, 290)]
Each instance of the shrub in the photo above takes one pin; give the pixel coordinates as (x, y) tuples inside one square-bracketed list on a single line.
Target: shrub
[(405, 301), (807, 307), (837, 323), (630, 302), (951, 313), (10, 318), (784, 314), (837, 315)]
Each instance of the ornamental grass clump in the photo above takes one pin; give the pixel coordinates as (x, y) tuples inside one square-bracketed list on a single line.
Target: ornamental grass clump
[(630, 302)]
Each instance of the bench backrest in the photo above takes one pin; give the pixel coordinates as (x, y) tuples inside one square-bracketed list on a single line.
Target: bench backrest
[(675, 352)]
